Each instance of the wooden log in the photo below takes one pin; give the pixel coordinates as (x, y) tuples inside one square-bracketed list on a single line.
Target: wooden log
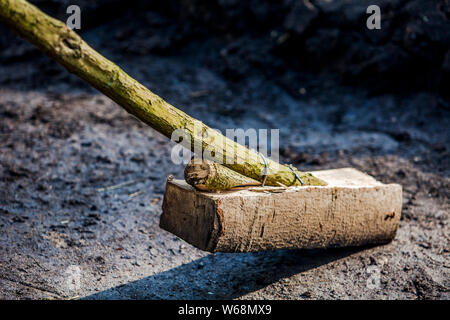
[(207, 175), (352, 210), (63, 45)]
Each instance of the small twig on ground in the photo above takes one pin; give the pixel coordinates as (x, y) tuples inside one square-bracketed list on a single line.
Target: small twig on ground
[(135, 194), (37, 263), (120, 185)]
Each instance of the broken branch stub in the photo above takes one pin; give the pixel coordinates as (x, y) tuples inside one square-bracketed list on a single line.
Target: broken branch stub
[(206, 175)]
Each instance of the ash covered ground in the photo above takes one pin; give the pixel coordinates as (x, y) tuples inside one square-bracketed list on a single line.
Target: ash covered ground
[(341, 95)]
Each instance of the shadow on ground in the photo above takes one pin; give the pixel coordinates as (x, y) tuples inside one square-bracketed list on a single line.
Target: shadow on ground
[(207, 278)]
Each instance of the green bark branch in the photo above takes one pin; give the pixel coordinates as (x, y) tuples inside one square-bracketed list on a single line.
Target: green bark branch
[(210, 176), (67, 48)]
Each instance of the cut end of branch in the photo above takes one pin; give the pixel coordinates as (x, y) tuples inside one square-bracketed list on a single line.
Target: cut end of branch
[(206, 175)]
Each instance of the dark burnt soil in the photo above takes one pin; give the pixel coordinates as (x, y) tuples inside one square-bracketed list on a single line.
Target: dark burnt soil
[(62, 236)]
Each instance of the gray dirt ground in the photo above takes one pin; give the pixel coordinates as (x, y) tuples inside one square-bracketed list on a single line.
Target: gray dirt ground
[(61, 141), (57, 150)]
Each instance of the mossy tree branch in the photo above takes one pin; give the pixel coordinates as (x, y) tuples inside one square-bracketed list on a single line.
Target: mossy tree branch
[(67, 48)]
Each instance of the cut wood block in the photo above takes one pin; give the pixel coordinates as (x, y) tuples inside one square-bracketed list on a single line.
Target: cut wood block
[(352, 210)]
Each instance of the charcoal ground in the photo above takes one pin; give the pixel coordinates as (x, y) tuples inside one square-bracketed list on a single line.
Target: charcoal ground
[(63, 236)]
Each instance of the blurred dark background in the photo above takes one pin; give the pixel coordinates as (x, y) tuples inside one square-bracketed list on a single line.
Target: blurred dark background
[(326, 40)]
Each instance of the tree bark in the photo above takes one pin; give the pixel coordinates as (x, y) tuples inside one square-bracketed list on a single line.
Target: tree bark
[(210, 176), (67, 48)]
